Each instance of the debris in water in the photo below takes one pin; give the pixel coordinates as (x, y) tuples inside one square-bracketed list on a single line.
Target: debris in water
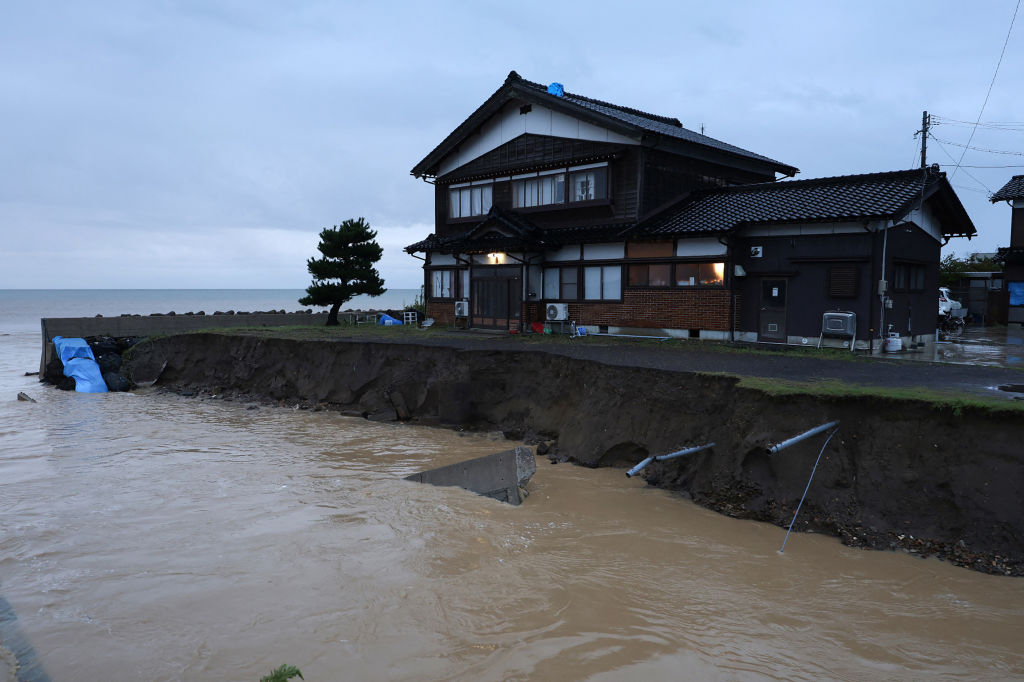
[(26, 397), (503, 475)]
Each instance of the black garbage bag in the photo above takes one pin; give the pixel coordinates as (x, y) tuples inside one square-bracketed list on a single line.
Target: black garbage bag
[(115, 382), (109, 362)]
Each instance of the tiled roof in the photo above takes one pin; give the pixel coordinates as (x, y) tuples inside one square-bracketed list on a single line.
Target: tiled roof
[(586, 234), (525, 235), (431, 243), (518, 223), (662, 125), (846, 197), (480, 239), (624, 119), (1014, 189), (873, 196)]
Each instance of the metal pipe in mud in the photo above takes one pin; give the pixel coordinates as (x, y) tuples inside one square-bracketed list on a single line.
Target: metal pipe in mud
[(639, 467), (773, 449), (660, 458), (808, 487)]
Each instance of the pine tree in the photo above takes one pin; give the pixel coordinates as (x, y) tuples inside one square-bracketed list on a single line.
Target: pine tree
[(345, 268)]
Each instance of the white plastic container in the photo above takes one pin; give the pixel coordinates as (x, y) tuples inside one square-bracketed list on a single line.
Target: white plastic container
[(893, 343)]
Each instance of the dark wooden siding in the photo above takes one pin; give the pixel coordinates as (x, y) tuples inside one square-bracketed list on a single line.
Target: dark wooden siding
[(808, 263), (667, 177), (529, 152)]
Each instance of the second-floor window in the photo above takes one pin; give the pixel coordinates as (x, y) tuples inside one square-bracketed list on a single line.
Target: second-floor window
[(464, 202), (539, 191), (549, 188), (588, 185), (909, 277)]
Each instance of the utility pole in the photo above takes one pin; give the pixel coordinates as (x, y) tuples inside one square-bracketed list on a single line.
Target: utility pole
[(926, 122)]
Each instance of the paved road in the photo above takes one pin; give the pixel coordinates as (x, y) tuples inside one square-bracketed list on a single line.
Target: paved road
[(975, 380)]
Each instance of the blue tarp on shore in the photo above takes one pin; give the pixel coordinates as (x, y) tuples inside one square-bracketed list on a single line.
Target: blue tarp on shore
[(80, 365)]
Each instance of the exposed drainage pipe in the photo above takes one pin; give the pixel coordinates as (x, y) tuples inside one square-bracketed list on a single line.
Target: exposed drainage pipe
[(808, 487), (661, 458), (773, 449)]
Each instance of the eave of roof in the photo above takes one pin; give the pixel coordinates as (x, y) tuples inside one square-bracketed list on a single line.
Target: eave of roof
[(525, 236), (888, 196), (874, 196), (632, 123), (1014, 189)]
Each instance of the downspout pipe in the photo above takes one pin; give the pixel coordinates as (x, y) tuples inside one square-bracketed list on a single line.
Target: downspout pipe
[(661, 458), (883, 296), (730, 272)]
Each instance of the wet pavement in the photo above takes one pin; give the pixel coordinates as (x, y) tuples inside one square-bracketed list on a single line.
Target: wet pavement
[(990, 346)]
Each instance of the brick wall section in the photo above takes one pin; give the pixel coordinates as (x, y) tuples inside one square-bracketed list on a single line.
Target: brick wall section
[(443, 312), (654, 308), (648, 308)]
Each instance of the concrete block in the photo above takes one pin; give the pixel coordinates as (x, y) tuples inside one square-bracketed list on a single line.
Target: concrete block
[(503, 475)]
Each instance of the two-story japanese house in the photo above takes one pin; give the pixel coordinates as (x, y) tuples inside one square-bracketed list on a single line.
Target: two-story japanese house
[(554, 207)]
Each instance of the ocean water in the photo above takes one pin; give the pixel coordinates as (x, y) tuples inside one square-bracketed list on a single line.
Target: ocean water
[(21, 309)]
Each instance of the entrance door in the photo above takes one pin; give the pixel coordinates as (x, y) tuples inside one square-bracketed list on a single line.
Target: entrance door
[(496, 297), (773, 310)]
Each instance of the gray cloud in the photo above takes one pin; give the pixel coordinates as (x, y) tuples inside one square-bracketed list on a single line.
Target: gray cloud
[(177, 136)]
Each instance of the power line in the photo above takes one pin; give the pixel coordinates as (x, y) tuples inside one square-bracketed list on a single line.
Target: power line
[(978, 149), (973, 189), (992, 83), (992, 125), (1006, 166), (917, 152), (946, 151)]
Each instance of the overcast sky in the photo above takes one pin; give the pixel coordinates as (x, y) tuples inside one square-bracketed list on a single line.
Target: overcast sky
[(205, 144)]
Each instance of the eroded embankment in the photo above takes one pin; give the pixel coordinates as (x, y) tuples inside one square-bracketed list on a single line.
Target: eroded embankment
[(900, 473)]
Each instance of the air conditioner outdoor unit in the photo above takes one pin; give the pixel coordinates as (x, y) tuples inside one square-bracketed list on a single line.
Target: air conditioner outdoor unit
[(557, 311), (462, 309)]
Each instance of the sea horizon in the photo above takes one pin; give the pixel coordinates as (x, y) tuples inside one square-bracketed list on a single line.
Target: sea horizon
[(21, 309)]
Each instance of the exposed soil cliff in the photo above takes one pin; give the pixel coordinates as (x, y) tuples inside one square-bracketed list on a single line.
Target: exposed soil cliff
[(899, 473)]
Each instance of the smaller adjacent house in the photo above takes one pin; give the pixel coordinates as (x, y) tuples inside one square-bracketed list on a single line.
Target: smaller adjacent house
[(1012, 256), (557, 207)]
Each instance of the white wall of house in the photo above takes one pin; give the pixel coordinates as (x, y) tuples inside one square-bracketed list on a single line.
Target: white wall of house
[(604, 251), (571, 252), (439, 259), (926, 220), (700, 246), (508, 124)]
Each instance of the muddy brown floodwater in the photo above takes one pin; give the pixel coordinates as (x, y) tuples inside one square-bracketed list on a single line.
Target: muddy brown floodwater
[(156, 537)]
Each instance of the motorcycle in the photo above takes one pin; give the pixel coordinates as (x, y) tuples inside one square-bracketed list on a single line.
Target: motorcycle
[(951, 325)]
